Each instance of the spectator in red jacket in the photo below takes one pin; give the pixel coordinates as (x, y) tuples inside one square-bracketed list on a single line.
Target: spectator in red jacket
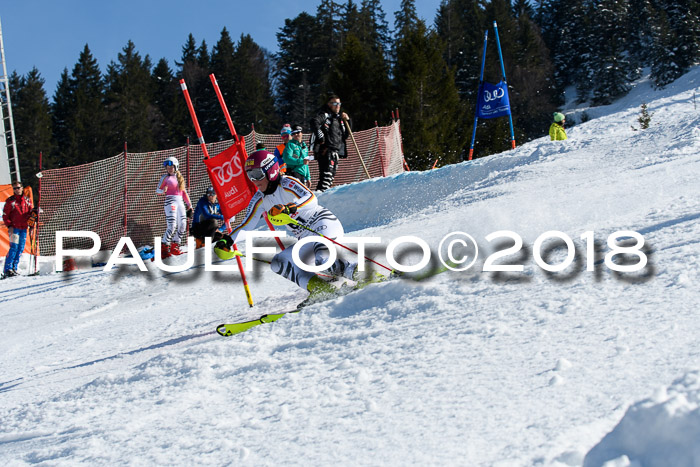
[(15, 215)]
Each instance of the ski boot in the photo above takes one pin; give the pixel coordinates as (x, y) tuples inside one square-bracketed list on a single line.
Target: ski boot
[(319, 290), (370, 277), (164, 251), (175, 249)]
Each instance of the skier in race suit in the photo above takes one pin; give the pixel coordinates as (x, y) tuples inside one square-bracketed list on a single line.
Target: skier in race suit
[(177, 207), (278, 194)]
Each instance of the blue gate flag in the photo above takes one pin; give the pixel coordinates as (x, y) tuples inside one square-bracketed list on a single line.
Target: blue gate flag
[(493, 100)]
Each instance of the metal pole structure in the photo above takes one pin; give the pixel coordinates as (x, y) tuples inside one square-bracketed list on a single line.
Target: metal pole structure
[(481, 83), (8, 102), (126, 186), (503, 72)]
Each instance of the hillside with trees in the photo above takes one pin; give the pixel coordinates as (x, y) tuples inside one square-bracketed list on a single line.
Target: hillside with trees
[(430, 72)]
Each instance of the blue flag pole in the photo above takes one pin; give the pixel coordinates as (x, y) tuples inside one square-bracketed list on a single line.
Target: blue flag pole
[(481, 82), (503, 72)]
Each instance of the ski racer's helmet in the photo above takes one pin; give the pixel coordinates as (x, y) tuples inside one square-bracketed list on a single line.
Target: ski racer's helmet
[(262, 164), (171, 161)]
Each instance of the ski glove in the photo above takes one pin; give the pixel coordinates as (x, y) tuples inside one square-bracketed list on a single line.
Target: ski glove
[(278, 209), (32, 219), (189, 213)]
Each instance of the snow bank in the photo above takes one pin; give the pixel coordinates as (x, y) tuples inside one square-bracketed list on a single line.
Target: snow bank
[(660, 431)]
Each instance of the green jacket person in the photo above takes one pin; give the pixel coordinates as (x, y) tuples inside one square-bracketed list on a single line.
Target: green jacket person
[(556, 129)]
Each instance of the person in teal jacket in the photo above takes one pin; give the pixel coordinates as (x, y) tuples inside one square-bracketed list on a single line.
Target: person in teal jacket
[(556, 129), (296, 156)]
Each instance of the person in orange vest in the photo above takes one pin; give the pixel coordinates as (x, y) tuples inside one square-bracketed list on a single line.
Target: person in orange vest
[(16, 213), (285, 134), (556, 129)]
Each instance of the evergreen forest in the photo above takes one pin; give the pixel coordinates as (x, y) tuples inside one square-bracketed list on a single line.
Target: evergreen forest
[(430, 72)]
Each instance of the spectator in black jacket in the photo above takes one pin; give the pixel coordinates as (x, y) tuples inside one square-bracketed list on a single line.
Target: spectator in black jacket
[(329, 131)]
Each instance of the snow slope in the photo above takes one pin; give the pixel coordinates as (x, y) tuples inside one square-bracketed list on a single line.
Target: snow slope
[(470, 368)]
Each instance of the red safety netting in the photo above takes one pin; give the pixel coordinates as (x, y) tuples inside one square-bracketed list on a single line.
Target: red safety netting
[(116, 197)]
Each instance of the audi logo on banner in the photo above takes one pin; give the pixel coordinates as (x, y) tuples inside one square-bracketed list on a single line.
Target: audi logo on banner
[(228, 170), (497, 94)]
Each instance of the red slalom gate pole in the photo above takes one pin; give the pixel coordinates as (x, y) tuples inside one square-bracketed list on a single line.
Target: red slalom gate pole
[(197, 129), (248, 295), (220, 96)]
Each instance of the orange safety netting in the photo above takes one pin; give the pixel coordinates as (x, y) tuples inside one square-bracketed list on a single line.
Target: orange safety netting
[(116, 197)]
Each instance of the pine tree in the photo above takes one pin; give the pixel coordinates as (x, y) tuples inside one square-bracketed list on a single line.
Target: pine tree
[(533, 91), (580, 61), (374, 26), (224, 68), (253, 96), (361, 78), (684, 21), (664, 68), (80, 114), (62, 109), (566, 33), (326, 45), (193, 67), (32, 122), (172, 121), (640, 30), (461, 25), (298, 69), (129, 96), (351, 22), (677, 39), (523, 7), (427, 95), (405, 20), (613, 70)]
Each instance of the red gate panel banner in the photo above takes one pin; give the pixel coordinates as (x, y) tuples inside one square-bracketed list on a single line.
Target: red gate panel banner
[(233, 189)]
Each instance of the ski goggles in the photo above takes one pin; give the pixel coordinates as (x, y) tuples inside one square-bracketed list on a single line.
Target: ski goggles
[(255, 174), (168, 163)]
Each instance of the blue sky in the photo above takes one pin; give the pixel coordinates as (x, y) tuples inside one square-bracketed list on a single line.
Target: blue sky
[(50, 34)]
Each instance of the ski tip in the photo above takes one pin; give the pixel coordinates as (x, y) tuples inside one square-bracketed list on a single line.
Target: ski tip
[(222, 330)]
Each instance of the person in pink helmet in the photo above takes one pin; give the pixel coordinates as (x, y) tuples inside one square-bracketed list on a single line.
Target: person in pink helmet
[(278, 194)]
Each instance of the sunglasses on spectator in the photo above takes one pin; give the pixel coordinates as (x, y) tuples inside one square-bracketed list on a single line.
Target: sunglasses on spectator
[(335, 104), (255, 174), (16, 187), (296, 132)]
